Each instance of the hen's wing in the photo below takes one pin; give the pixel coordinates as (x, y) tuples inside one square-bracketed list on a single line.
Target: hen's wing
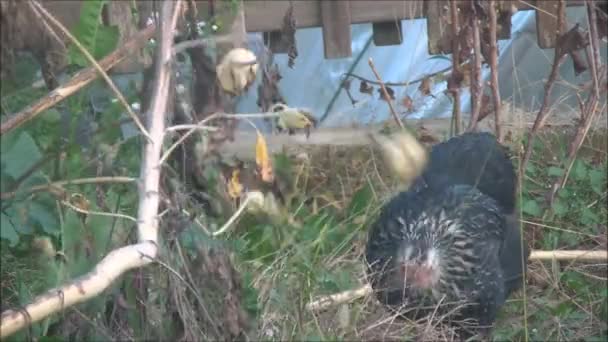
[(475, 159)]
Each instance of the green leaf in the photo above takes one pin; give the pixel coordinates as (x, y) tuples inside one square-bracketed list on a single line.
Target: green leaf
[(560, 208), (564, 193), (360, 201), (313, 226), (555, 171), (8, 231), (532, 208), (53, 338), (97, 39), (45, 218), (579, 170), (597, 179), (51, 116), (21, 156), (107, 39), (589, 217), (76, 245)]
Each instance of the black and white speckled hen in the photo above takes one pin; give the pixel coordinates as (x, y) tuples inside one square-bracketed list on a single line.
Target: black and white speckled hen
[(453, 236)]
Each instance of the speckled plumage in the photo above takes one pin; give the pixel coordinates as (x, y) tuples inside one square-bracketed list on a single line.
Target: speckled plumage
[(462, 207)]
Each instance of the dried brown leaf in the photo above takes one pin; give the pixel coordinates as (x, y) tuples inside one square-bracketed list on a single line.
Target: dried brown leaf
[(288, 35), (578, 63), (425, 86), (408, 103), (389, 91), (365, 88)]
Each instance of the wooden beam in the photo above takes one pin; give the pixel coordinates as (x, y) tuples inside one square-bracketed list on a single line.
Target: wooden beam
[(267, 15), (384, 11), (547, 27), (437, 26), (335, 21)]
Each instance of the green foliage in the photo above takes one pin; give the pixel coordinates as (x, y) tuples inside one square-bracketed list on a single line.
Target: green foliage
[(18, 155), (360, 201), (44, 150), (576, 298), (97, 39), (8, 231)]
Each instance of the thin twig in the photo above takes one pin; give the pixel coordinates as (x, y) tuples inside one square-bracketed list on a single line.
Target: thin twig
[(494, 68), (191, 126), (590, 109), (99, 69), (387, 98), (201, 124), (455, 92), (233, 217), (558, 59), (397, 84), (59, 184), (476, 79), (98, 213)]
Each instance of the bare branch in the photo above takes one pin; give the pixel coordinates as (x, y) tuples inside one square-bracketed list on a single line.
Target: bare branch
[(59, 184), (476, 79), (541, 117), (455, 91), (92, 60), (121, 260), (385, 94), (79, 290), (590, 109), (78, 81), (494, 68)]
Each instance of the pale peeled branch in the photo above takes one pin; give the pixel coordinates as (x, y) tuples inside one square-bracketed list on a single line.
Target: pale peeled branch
[(237, 70), (403, 154)]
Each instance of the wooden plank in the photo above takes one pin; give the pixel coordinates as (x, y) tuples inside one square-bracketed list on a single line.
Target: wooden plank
[(381, 11), (335, 21), (437, 26), (387, 33), (267, 15), (547, 26)]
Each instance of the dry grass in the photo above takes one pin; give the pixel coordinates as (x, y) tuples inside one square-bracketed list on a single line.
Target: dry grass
[(563, 301)]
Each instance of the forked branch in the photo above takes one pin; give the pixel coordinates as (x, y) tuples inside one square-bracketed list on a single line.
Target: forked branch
[(121, 260)]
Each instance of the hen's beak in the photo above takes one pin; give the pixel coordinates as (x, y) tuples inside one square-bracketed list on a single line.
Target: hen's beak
[(420, 276)]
